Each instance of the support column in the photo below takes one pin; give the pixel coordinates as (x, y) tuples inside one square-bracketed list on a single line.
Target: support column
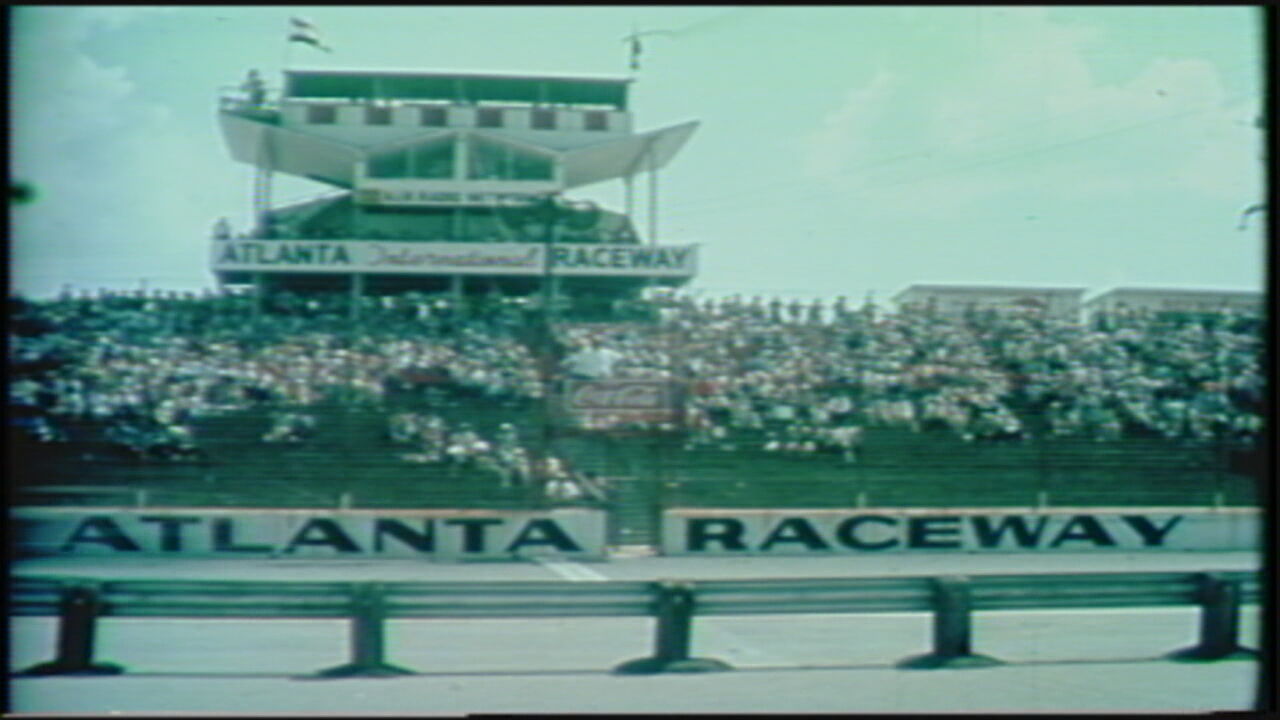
[(357, 295), (1219, 623), (78, 616), (653, 198), (628, 195), (455, 289), (368, 611), (674, 614), (259, 291), (952, 630)]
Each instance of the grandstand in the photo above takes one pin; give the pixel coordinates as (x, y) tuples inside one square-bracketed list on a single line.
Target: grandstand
[(408, 340), (87, 365)]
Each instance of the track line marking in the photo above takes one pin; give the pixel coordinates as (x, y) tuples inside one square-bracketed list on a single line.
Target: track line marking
[(571, 570)]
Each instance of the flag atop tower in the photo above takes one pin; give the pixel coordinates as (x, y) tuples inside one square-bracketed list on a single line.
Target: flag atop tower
[(305, 32)]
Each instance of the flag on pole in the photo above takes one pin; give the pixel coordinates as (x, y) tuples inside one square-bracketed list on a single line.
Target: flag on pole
[(1244, 217), (635, 52), (634, 41), (304, 32)]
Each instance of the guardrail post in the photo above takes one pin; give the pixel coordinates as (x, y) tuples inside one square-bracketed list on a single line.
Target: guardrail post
[(952, 630), (78, 616), (368, 611), (1219, 622), (674, 606)]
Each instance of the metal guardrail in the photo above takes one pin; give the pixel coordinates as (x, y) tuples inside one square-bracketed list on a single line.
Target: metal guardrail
[(951, 599)]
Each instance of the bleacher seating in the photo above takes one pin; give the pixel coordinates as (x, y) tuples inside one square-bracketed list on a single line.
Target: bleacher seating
[(119, 342)]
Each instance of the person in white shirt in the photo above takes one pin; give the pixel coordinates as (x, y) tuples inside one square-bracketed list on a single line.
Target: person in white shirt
[(594, 362)]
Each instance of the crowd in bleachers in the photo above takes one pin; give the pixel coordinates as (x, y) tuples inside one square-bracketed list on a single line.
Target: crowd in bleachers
[(790, 377), (798, 372), (147, 364)]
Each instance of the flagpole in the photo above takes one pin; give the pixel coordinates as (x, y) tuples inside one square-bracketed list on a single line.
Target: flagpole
[(288, 49)]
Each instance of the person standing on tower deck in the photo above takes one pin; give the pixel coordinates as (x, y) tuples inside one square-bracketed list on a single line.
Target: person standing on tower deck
[(255, 89)]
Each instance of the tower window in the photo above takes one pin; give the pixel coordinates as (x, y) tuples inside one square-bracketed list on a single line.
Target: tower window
[(489, 117), (322, 114), (496, 161), (544, 119), (377, 116), (434, 117), (596, 120)]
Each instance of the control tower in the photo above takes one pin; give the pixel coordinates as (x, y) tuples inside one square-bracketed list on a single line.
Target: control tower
[(446, 182)]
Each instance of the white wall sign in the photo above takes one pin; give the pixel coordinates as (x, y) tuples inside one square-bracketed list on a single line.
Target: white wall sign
[(810, 532), (458, 534)]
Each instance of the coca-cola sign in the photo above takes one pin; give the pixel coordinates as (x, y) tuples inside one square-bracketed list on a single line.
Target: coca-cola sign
[(615, 395)]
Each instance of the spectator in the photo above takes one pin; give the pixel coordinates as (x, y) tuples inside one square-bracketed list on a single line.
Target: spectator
[(255, 90)]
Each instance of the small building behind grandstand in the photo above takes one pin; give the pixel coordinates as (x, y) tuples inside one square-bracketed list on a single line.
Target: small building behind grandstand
[(1187, 301), (956, 300)]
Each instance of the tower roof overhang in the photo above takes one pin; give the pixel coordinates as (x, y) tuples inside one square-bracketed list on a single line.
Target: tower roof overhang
[(268, 145), (307, 155), (626, 156)]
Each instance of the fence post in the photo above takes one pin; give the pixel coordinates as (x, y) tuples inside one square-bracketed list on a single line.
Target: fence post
[(1219, 622), (674, 606), (952, 630), (368, 611), (78, 616)]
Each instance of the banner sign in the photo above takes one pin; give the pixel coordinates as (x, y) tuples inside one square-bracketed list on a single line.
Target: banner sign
[(827, 532), (370, 194), (604, 404), (452, 258), (624, 260), (437, 534)]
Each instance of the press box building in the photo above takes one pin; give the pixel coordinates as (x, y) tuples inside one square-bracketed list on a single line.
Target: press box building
[(445, 181)]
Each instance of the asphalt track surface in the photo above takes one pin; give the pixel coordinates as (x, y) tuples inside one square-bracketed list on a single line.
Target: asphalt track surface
[(1055, 661)]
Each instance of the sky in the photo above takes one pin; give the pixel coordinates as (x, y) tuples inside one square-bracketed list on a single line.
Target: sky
[(842, 150)]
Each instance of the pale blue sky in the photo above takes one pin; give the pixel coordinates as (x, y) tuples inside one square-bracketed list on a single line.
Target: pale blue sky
[(843, 150)]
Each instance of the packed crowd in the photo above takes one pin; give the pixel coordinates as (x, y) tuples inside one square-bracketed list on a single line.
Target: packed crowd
[(503, 455), (145, 366), (789, 377), (800, 373)]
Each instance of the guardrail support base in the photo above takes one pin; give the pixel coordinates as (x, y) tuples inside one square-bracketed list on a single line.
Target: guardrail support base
[(952, 631), (671, 642), (76, 629), (935, 661), (653, 665), (1196, 654), (1219, 624), (367, 643), (59, 668), (361, 670)]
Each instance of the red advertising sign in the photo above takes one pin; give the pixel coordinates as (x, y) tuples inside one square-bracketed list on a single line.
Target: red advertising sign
[(610, 404)]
